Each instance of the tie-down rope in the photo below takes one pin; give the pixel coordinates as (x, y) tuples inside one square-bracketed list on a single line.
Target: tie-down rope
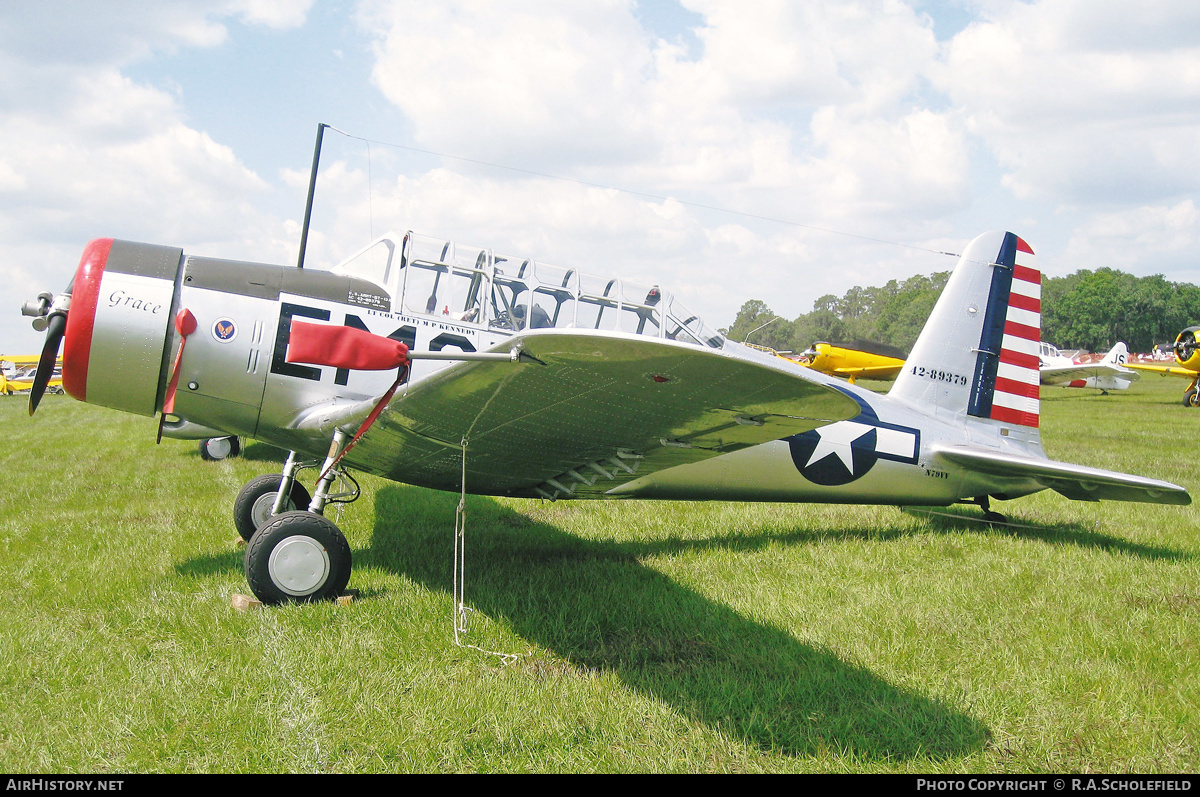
[(460, 572)]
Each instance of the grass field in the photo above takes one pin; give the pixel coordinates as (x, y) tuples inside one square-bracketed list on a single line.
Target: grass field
[(653, 637)]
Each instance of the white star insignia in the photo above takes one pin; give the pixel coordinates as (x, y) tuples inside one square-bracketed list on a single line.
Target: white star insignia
[(836, 439)]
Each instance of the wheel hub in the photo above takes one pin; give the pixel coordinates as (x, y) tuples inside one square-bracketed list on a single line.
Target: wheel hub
[(261, 511), (299, 565), (219, 448)]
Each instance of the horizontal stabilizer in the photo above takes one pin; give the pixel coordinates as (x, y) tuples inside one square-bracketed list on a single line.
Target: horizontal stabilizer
[(1076, 482)]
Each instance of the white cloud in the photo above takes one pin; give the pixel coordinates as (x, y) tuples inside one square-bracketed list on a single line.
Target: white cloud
[(793, 111), (584, 89), (807, 112), (278, 14), (88, 152), (1084, 102), (93, 31), (1160, 239), (514, 79), (116, 159), (774, 52), (913, 164)]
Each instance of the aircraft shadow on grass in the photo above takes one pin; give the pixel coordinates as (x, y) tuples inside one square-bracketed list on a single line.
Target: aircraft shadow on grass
[(253, 451), (1073, 534), (595, 605), (263, 452)]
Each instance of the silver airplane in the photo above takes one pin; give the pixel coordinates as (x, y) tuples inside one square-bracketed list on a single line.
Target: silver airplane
[(462, 369), (1107, 374)]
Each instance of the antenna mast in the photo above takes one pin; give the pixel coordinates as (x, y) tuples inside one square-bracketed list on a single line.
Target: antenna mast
[(312, 188)]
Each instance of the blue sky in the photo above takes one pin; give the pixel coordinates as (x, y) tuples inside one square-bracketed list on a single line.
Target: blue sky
[(1075, 123)]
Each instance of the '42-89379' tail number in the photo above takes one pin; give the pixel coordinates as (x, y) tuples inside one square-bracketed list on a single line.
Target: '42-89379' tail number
[(938, 376)]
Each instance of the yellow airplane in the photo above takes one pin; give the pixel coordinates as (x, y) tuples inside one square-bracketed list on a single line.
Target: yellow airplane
[(17, 370), (1187, 364), (883, 363)]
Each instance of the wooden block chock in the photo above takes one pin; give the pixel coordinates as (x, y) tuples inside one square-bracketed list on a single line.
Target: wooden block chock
[(245, 602)]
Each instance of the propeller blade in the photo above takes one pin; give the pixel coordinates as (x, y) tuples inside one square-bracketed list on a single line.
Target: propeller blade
[(56, 326)]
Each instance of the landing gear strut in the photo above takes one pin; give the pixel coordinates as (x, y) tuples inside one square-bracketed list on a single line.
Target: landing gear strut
[(293, 552)]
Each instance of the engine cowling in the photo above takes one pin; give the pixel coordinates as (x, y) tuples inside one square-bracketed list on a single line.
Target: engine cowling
[(1187, 348), (115, 347)]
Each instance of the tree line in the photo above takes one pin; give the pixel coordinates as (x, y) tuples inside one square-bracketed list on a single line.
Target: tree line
[(1090, 310)]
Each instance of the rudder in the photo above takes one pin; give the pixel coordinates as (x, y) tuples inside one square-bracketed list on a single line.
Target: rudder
[(978, 353)]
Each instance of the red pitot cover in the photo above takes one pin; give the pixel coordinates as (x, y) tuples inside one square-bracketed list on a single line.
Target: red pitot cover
[(344, 347)]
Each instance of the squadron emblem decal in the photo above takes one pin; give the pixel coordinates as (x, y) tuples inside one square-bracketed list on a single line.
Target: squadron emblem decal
[(845, 451), (224, 330)]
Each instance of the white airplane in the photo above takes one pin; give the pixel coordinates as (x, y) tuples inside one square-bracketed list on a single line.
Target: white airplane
[(1107, 374), (413, 360)]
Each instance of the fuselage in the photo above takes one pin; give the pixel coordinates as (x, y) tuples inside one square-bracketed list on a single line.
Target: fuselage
[(876, 458), (235, 377)]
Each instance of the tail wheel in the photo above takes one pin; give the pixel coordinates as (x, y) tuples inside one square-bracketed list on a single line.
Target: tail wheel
[(253, 505), (216, 448), (297, 557)]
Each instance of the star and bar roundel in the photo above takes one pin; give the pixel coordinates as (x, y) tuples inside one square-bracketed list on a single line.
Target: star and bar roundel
[(845, 451)]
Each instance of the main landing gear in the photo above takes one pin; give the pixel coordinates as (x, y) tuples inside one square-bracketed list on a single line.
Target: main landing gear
[(297, 556), (213, 449), (255, 504), (293, 552)]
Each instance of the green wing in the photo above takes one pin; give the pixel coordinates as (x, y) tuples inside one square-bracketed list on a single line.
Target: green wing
[(584, 411)]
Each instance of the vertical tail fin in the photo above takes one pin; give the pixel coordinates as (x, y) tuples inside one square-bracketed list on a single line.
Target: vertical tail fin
[(978, 353), (1118, 355)]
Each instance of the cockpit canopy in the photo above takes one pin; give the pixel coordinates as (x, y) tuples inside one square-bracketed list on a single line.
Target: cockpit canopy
[(1048, 352), (469, 285)]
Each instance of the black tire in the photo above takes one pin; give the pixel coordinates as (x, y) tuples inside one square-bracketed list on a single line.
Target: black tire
[(218, 448), (297, 557), (252, 507), (1191, 398)]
